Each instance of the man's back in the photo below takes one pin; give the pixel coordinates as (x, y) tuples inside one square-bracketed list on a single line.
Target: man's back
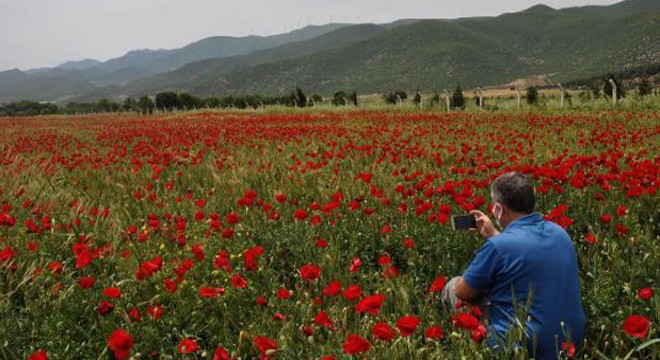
[(532, 256)]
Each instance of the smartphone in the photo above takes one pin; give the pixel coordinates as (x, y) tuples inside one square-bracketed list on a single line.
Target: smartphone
[(464, 222)]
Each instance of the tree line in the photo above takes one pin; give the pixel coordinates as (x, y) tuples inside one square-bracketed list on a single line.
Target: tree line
[(170, 101)]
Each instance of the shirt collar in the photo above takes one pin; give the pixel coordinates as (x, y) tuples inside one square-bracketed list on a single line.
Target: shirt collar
[(526, 220)]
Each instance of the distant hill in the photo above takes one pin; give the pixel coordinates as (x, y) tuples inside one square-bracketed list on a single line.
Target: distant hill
[(555, 44), (436, 54), (205, 73), (91, 74), (79, 65)]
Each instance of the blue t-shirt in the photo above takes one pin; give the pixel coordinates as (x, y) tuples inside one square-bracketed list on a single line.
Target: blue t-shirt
[(537, 256)]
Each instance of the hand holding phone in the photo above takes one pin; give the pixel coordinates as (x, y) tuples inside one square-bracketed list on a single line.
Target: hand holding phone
[(464, 222)]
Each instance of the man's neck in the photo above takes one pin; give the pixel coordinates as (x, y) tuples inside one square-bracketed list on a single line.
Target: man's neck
[(510, 217)]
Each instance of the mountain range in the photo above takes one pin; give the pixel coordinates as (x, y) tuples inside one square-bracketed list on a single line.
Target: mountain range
[(425, 54)]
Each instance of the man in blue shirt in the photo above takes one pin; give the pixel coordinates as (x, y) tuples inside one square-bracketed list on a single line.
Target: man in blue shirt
[(531, 264)]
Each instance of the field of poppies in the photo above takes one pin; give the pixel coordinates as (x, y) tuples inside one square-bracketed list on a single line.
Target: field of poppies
[(308, 235)]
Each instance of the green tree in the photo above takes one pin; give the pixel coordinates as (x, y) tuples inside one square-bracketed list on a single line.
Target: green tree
[(595, 89), (212, 102), (339, 98), (298, 98), (457, 99), (167, 101), (532, 95), (644, 87), (189, 102), (417, 99), (145, 105), (129, 104), (317, 98), (353, 98), (395, 97)]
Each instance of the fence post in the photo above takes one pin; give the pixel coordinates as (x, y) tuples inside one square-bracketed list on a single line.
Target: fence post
[(614, 91)]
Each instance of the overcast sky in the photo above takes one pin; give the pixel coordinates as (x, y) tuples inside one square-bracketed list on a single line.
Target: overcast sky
[(45, 33)]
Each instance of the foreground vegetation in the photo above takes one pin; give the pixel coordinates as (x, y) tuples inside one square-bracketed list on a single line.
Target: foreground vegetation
[(304, 235)]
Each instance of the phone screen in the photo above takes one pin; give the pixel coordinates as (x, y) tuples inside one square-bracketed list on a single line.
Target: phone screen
[(464, 222)]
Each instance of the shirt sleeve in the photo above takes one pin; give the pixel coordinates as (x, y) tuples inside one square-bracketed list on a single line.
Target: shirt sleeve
[(480, 275)]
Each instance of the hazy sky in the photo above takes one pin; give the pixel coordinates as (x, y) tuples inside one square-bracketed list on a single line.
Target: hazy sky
[(45, 33)]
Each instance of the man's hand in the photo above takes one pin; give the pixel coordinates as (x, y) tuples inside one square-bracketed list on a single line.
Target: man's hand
[(465, 292), (485, 227)]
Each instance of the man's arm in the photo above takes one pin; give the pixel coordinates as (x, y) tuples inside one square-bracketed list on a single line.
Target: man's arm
[(466, 292)]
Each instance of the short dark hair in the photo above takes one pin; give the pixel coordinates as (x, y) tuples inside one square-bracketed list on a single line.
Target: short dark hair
[(514, 190)]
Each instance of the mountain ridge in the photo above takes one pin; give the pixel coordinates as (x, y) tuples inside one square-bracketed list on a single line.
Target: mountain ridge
[(408, 53)]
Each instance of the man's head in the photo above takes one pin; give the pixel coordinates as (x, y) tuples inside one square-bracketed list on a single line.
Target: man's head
[(512, 196)]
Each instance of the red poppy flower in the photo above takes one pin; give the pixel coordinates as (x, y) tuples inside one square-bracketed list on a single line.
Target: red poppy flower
[(105, 308), (637, 326), (352, 292), (478, 334), (55, 267), (384, 260), (134, 314), (391, 272), (221, 261), (407, 325), (371, 304), (7, 220), (170, 285), (265, 345), (300, 214), (187, 346), (434, 332), (156, 311), (645, 293), (438, 284), (208, 293), (232, 218), (569, 349), (39, 355), (310, 272), (465, 321), (321, 243), (221, 353), (382, 331), (591, 238), (283, 293), (322, 319), (333, 289), (355, 345), (112, 292), (120, 342), (238, 281), (86, 282), (355, 265)]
